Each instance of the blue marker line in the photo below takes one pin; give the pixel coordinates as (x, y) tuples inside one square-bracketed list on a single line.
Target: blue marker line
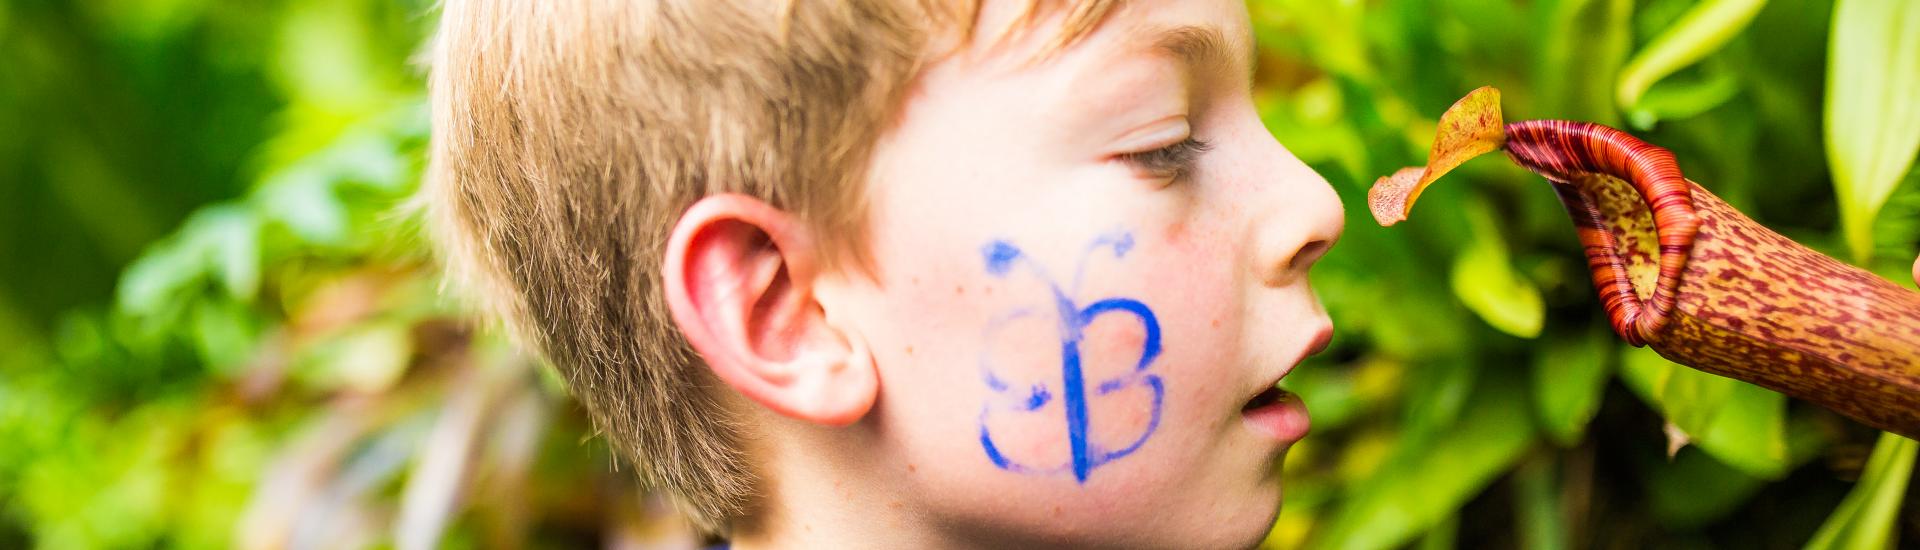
[(1087, 454), (1076, 396), (1159, 392)]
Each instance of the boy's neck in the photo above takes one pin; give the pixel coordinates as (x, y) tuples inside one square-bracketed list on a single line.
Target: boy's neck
[(814, 496)]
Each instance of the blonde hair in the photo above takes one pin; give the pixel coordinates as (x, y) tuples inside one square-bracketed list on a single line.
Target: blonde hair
[(569, 136)]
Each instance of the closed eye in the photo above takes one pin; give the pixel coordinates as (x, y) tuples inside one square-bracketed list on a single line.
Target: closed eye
[(1171, 162)]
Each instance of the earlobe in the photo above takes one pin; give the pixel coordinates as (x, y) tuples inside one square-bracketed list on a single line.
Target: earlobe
[(739, 280)]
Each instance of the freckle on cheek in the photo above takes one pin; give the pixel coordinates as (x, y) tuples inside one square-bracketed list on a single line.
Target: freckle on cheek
[(1176, 232), (1112, 346), (1121, 416), (1121, 338)]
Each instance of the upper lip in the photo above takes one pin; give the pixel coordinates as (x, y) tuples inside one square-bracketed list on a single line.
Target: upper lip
[(1321, 339)]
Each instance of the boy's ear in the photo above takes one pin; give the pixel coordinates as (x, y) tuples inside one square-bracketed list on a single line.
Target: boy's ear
[(739, 281)]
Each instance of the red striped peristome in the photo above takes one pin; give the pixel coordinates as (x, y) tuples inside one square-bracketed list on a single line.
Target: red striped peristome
[(1562, 151)]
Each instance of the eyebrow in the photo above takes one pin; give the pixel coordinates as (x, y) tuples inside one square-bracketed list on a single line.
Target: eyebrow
[(1199, 47)]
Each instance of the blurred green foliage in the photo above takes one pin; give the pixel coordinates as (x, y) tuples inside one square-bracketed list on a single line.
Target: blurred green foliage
[(219, 326)]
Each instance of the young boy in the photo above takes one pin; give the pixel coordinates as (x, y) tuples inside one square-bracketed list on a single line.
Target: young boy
[(897, 273)]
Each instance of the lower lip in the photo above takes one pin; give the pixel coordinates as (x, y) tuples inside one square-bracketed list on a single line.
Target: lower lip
[(1285, 420)]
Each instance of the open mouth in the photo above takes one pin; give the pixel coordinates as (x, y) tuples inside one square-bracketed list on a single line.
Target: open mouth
[(1278, 414), (1264, 399)]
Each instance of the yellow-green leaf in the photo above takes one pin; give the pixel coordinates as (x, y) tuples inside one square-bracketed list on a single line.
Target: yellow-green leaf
[(1485, 281), (1740, 424), (1872, 108), (1703, 30), (1864, 519)]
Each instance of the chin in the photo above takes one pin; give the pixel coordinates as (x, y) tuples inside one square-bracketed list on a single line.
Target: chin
[(1245, 525), (1255, 531), (1230, 525)]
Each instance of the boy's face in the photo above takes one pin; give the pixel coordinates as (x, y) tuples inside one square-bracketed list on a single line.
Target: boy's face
[(1074, 305)]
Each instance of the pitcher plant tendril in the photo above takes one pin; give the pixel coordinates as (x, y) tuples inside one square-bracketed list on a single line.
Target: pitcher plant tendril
[(1682, 272)]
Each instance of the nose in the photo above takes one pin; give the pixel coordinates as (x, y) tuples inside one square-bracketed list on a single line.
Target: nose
[(1303, 220)]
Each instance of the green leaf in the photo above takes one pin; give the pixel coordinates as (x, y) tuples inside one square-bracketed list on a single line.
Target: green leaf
[(1542, 520), (369, 158), (1416, 322), (1581, 46), (1569, 377), (1694, 489), (1679, 98), (219, 242), (303, 200), (1484, 279), (1873, 118), (1704, 29), (1896, 231), (152, 285), (1864, 521), (1443, 536), (1421, 485), (224, 333), (1738, 423), (1436, 393), (232, 235)]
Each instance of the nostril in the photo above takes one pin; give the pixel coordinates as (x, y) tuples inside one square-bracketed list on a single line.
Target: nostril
[(1277, 273), (1309, 254)]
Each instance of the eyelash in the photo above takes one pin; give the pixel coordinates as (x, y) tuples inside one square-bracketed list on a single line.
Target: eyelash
[(1173, 161)]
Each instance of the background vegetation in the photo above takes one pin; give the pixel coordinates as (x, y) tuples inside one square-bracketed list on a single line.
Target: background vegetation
[(219, 327)]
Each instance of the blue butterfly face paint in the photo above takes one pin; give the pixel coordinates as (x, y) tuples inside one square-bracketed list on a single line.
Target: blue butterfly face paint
[(1075, 392)]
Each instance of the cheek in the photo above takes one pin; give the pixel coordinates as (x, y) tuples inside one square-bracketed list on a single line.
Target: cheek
[(1141, 346), (1120, 359), (988, 368), (1195, 282), (1191, 280)]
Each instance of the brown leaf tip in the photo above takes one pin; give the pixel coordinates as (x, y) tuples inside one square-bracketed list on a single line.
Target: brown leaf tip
[(1388, 197)]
